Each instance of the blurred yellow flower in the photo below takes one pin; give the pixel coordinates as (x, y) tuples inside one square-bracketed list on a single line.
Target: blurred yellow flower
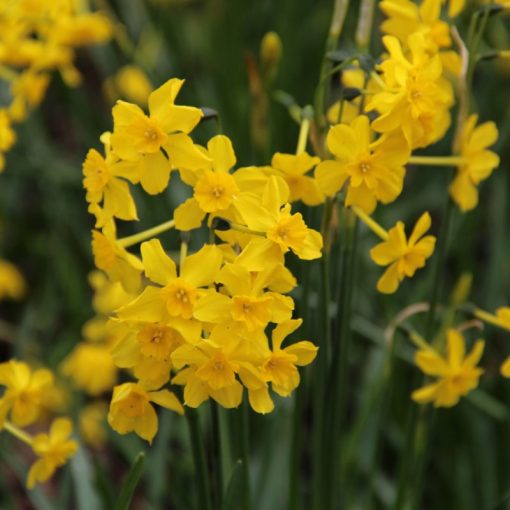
[(54, 450), (92, 423), (7, 136), (25, 392), (457, 373), (12, 283)]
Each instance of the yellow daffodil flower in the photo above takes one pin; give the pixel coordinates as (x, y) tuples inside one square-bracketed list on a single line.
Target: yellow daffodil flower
[(7, 136), (53, 449), (403, 256), (131, 409), (416, 98), (374, 171), (457, 373), (25, 392), (478, 162)]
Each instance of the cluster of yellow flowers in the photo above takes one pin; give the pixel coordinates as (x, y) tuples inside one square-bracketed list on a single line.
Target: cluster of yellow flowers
[(30, 396), (202, 323), (36, 38)]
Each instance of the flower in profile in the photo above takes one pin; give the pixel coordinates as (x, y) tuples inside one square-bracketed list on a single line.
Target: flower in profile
[(373, 170), (131, 409), (280, 366), (477, 162), (53, 449), (457, 373), (403, 256)]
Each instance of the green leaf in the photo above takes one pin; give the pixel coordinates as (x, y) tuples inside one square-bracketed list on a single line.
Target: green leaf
[(82, 471), (128, 489), (234, 492)]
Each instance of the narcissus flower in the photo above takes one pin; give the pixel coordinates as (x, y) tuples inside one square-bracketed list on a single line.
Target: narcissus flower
[(131, 409), (373, 170), (293, 168), (403, 256), (25, 392), (478, 162), (457, 373), (271, 216), (416, 98), (54, 450), (280, 366), (115, 261)]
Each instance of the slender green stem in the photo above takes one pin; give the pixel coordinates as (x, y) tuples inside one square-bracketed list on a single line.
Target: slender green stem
[(199, 459), (125, 242), (18, 433), (338, 372), (245, 455), (321, 367), (437, 160), (216, 456)]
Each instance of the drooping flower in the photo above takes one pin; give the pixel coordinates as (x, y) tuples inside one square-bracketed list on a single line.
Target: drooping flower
[(403, 256), (457, 373)]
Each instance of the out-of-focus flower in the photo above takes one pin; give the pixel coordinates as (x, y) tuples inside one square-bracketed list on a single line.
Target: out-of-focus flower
[(12, 283)]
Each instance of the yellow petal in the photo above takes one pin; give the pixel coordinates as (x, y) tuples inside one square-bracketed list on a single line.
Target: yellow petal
[(201, 268), (389, 281), (155, 173), (165, 398), (159, 267), (283, 330), (456, 347), (222, 153), (305, 352), (260, 400), (422, 225), (188, 215)]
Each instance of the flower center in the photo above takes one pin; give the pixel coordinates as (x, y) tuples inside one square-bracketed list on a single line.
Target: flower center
[(182, 295), (218, 191), (218, 366), (364, 167), (150, 134)]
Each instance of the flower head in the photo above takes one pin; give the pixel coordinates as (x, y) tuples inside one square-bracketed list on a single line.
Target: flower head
[(478, 162), (403, 256), (457, 373), (53, 449)]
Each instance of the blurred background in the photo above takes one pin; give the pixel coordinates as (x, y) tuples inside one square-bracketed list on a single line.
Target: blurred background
[(45, 231)]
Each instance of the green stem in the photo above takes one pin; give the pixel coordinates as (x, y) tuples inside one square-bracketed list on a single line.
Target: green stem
[(199, 459), (246, 503), (321, 366), (216, 456), (125, 242), (338, 372)]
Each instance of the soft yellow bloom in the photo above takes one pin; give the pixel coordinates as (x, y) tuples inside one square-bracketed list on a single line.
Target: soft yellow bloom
[(271, 216), (92, 424), (503, 314), (293, 168), (403, 256), (25, 392), (131, 409), (27, 92), (457, 373), (7, 136), (12, 283), (416, 98), (103, 184), (130, 83), (214, 187), (91, 367), (373, 170), (279, 367), (478, 162), (178, 294), (455, 7), (54, 450), (138, 139), (115, 261)]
